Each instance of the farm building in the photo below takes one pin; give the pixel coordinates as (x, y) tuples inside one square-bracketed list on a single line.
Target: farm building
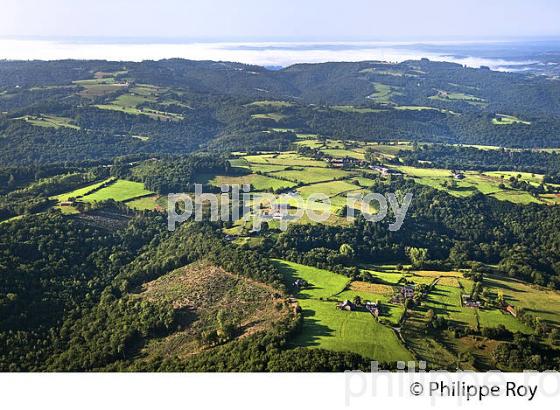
[(468, 302), (300, 283), (346, 305), (407, 292), (384, 171), (372, 308), (511, 310)]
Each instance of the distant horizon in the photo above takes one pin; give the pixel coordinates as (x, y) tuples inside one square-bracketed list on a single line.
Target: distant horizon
[(440, 40), (500, 55)]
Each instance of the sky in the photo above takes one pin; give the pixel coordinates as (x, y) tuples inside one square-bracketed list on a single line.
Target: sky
[(288, 20)]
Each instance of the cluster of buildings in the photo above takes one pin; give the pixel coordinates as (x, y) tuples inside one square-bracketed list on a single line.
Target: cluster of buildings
[(384, 171), (371, 307), (405, 292)]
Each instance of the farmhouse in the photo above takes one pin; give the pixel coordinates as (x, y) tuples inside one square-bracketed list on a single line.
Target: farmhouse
[(511, 310), (407, 292), (372, 308), (384, 170), (468, 302), (346, 305), (300, 283)]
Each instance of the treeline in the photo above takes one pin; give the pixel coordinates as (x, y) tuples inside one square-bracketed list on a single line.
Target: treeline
[(35, 197), (469, 158), (175, 174)]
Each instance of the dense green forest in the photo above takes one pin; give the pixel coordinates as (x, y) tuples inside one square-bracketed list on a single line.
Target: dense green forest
[(74, 110)]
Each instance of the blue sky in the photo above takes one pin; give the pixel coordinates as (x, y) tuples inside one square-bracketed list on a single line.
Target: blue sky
[(282, 19)]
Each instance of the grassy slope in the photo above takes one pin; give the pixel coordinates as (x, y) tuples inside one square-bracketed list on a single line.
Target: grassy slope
[(327, 327)]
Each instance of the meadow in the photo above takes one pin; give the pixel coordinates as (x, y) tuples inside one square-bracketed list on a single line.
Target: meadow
[(49, 121), (120, 190), (326, 327)]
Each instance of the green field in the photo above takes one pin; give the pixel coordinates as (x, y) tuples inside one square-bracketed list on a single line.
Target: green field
[(503, 119), (311, 175), (270, 103), (330, 189), (154, 202), (269, 116), (353, 109), (383, 93), (540, 302), (120, 190), (155, 114), (326, 327), (457, 96), (487, 183), (258, 182), (49, 121), (99, 86), (77, 193), (285, 159)]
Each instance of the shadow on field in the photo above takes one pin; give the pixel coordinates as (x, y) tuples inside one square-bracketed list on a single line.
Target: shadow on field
[(312, 330)]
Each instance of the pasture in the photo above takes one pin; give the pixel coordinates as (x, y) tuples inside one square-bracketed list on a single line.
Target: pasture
[(121, 190), (310, 175), (78, 193), (486, 183), (269, 116), (258, 182), (326, 327), (49, 121), (503, 119)]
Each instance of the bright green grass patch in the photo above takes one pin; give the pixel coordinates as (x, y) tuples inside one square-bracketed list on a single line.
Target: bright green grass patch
[(154, 114), (486, 183), (326, 327), (363, 181), (154, 202), (353, 109), (343, 153), (456, 96), (330, 189), (143, 138), (287, 159), (535, 179), (503, 119), (495, 317), (389, 278), (540, 302), (269, 116), (383, 93), (97, 87), (258, 182), (270, 103), (323, 283), (77, 193), (311, 143), (446, 301), (266, 167), (121, 190), (131, 100), (389, 149), (49, 121), (311, 175)]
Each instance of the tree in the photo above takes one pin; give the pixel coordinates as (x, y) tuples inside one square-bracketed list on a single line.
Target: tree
[(346, 250), (417, 255)]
